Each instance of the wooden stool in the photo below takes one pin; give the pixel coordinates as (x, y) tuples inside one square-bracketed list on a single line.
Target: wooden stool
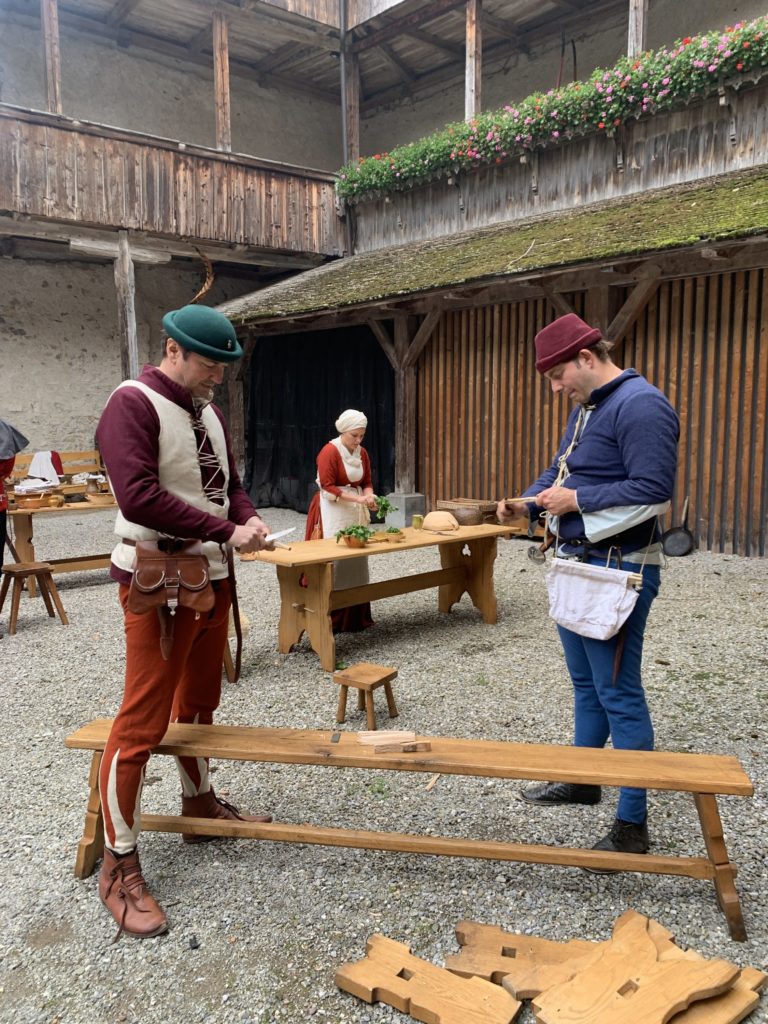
[(19, 572), (365, 678)]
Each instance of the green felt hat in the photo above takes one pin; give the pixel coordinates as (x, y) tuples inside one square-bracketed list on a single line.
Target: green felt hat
[(205, 331)]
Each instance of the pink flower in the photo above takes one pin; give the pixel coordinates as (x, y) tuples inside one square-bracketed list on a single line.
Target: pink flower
[(555, 135), (646, 85), (665, 81), (712, 67)]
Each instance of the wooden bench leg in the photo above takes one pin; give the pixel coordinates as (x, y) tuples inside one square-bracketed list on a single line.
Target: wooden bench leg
[(46, 596), (370, 714), (91, 846), (727, 896), (361, 700), (341, 710), (229, 666), (390, 700), (47, 584), (4, 589), (18, 583)]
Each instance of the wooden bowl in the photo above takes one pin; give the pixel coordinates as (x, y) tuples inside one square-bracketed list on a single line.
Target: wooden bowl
[(39, 501), (56, 501), (467, 516), (99, 499)]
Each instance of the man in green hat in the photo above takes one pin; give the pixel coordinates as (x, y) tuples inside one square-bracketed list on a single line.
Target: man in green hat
[(169, 458)]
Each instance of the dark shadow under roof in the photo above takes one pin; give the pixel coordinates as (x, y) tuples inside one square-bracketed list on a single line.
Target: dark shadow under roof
[(727, 207)]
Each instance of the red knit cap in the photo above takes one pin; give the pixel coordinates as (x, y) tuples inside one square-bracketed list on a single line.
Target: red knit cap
[(562, 340)]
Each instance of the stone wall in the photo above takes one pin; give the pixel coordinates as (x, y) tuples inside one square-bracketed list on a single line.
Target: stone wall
[(59, 341)]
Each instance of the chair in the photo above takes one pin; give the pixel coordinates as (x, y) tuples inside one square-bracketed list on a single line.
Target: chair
[(365, 678), (20, 572)]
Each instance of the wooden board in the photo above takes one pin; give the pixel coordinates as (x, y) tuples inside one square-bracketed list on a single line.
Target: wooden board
[(391, 974), (705, 773)]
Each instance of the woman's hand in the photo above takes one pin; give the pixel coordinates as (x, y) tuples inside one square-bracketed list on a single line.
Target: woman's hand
[(370, 500)]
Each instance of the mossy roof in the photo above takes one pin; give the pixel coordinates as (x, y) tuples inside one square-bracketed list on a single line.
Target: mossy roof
[(726, 207)]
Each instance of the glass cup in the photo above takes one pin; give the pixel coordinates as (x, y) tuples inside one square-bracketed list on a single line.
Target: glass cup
[(417, 522)]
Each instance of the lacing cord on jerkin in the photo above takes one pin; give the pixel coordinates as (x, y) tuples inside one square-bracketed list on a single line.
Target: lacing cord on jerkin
[(214, 492)]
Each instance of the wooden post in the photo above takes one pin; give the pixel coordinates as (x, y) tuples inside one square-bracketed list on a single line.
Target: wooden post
[(125, 286), (474, 60), (236, 418), (49, 16), (638, 17), (221, 81), (351, 112), (405, 410)]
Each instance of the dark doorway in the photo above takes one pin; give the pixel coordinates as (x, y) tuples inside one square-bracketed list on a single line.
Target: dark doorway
[(299, 385)]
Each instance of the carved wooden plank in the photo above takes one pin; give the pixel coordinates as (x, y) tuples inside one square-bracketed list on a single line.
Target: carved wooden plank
[(391, 974)]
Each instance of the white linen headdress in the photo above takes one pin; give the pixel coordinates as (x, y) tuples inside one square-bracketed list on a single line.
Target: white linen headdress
[(351, 419)]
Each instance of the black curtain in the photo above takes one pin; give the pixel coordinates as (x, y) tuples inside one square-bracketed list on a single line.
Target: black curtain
[(299, 383)]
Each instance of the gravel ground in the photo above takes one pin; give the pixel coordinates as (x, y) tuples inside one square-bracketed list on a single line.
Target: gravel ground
[(271, 922)]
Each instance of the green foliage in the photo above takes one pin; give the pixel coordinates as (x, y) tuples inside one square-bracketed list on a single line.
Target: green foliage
[(655, 81), (384, 505), (363, 533), (393, 529)]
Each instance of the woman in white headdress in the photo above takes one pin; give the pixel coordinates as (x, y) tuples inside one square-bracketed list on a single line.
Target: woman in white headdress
[(11, 443), (345, 498)]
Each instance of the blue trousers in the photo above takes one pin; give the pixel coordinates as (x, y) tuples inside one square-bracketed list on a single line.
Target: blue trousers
[(604, 707)]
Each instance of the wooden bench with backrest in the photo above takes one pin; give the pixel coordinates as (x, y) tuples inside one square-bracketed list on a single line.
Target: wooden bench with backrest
[(703, 775), (88, 461)]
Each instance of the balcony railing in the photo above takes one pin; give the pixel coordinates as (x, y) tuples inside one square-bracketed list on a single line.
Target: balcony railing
[(59, 169)]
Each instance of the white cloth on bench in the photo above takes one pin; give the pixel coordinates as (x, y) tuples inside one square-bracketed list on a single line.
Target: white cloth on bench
[(42, 468)]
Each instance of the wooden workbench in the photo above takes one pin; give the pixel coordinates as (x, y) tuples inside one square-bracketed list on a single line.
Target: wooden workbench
[(466, 557)]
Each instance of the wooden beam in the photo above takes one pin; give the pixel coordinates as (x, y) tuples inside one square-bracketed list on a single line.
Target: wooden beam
[(453, 49), (405, 410), (422, 336), (350, 91), (506, 30), (221, 81), (121, 10), (561, 306), (125, 286), (49, 16), (636, 302), (428, 12), (473, 71), (199, 39), (400, 67), (638, 18), (281, 56), (110, 250), (382, 336)]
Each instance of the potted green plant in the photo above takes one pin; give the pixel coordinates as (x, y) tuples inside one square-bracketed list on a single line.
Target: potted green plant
[(354, 536)]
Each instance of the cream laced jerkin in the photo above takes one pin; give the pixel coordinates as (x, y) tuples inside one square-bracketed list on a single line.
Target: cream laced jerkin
[(215, 492)]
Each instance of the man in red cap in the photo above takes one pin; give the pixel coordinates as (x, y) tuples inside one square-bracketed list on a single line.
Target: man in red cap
[(170, 465), (610, 480)]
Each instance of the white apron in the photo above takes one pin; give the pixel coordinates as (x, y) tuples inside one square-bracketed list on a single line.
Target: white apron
[(334, 515)]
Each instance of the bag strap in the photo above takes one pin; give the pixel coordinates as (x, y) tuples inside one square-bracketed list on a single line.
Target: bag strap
[(235, 615)]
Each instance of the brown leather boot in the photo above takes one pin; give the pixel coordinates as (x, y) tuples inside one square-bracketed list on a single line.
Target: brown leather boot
[(124, 893), (208, 805)]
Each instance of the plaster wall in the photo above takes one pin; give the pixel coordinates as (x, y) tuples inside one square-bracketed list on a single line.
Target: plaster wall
[(512, 79), (59, 340), (105, 84)]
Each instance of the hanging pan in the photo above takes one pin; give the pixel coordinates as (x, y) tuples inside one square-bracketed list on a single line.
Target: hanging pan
[(679, 540)]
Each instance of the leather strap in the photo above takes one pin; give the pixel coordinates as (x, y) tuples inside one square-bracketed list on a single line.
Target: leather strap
[(235, 614)]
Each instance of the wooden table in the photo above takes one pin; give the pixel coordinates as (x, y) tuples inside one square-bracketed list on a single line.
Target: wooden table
[(466, 556), (24, 533)]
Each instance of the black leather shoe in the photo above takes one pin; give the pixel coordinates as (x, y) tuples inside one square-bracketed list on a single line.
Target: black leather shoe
[(550, 793), (624, 837)]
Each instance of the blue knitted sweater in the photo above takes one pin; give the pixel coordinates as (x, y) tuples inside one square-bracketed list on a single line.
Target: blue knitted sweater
[(626, 456)]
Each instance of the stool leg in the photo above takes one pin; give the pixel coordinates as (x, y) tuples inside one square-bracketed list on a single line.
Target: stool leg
[(54, 592), (18, 583), (341, 710), (229, 666), (370, 714), (4, 589), (390, 700), (46, 596), (360, 700)]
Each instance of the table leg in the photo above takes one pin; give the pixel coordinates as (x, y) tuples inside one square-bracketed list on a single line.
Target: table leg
[(307, 609), (478, 569), (25, 549)]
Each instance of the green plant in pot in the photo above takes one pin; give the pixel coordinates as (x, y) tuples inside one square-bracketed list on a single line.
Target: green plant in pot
[(383, 506), (354, 536)]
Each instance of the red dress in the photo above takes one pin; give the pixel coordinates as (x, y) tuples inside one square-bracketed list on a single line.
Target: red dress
[(333, 477)]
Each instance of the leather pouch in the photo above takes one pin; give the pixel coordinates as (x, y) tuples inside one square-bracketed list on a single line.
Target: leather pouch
[(169, 574)]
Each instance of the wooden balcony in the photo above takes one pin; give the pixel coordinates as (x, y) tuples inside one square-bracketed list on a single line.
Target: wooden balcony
[(710, 137), (56, 169)]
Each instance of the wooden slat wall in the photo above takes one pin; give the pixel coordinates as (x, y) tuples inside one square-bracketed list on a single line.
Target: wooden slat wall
[(103, 179), (488, 424)]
